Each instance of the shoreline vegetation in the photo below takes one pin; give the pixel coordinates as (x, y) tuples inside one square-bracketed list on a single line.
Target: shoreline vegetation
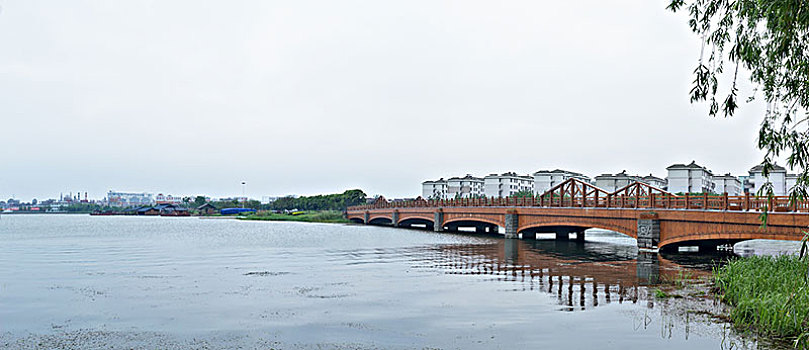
[(768, 295), (323, 216)]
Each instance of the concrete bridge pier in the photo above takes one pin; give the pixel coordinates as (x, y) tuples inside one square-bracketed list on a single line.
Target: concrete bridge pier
[(512, 223), (562, 234), (367, 217), (648, 231), (395, 218), (438, 222), (580, 235)]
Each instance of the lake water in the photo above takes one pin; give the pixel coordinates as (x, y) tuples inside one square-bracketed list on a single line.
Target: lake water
[(75, 281)]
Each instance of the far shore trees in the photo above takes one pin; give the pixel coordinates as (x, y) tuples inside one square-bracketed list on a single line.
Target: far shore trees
[(339, 201)]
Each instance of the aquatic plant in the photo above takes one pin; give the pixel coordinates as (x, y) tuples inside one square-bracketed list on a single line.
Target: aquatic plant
[(768, 294)]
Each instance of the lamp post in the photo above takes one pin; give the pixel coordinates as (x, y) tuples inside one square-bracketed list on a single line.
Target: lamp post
[(244, 198)]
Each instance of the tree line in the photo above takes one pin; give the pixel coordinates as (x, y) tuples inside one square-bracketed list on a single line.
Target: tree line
[(337, 201)]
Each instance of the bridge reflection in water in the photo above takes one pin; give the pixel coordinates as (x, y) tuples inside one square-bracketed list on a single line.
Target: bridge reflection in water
[(579, 275)]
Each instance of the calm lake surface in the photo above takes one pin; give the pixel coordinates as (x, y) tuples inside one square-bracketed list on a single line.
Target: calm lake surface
[(75, 281)]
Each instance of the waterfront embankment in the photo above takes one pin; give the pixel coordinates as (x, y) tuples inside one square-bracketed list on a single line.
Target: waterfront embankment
[(768, 295), (327, 216)]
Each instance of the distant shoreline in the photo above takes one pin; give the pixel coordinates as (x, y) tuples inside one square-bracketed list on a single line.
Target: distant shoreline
[(43, 212), (324, 217)]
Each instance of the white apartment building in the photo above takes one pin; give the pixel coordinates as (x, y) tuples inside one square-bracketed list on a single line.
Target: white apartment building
[(792, 179), (547, 179), (434, 189), (506, 184), (610, 182), (129, 199), (728, 183), (655, 181), (690, 178), (781, 181), (465, 187)]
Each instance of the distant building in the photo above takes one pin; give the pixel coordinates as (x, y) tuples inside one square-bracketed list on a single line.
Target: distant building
[(610, 182), (464, 187), (168, 199), (792, 179), (655, 181), (778, 177), (128, 199), (506, 184), (690, 178), (547, 179), (207, 209), (434, 189), (148, 211), (268, 199), (728, 183), (747, 184)]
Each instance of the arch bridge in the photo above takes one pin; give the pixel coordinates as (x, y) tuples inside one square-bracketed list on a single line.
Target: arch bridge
[(656, 218)]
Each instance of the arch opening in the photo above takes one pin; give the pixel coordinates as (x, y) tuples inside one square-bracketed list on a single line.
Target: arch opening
[(700, 246), (562, 232), (381, 222), (416, 223), (357, 220), (475, 226)]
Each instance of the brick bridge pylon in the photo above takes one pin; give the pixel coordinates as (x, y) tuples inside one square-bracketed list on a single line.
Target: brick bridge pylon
[(655, 218)]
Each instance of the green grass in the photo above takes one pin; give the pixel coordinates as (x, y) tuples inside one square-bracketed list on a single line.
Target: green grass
[(768, 295), (660, 294), (309, 216)]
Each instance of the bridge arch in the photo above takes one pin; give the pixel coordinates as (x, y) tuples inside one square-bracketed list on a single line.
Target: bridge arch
[(468, 220), (356, 220), (409, 221), (380, 220), (631, 232)]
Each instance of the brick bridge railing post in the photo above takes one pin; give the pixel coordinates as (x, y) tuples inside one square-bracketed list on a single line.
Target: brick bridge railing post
[(438, 222), (648, 231), (512, 224)]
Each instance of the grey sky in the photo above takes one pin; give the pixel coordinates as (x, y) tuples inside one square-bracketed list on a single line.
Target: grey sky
[(190, 97)]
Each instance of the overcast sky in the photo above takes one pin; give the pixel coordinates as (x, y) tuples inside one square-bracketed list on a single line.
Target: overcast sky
[(305, 97)]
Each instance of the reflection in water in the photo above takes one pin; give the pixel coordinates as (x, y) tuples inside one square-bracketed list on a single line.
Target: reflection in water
[(579, 277), (585, 276)]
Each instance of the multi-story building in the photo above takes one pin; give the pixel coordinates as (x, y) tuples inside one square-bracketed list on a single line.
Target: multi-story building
[(127, 199), (690, 178), (792, 179), (778, 177), (436, 189), (506, 184), (547, 179), (747, 184), (465, 187), (168, 199), (655, 181), (728, 183), (610, 182)]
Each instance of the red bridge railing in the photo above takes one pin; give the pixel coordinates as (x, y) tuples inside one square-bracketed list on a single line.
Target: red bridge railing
[(582, 195)]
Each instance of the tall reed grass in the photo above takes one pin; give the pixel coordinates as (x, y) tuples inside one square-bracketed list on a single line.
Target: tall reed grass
[(769, 295)]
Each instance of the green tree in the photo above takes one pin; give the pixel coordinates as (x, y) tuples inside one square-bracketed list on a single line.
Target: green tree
[(199, 200), (523, 194), (337, 201), (770, 39)]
